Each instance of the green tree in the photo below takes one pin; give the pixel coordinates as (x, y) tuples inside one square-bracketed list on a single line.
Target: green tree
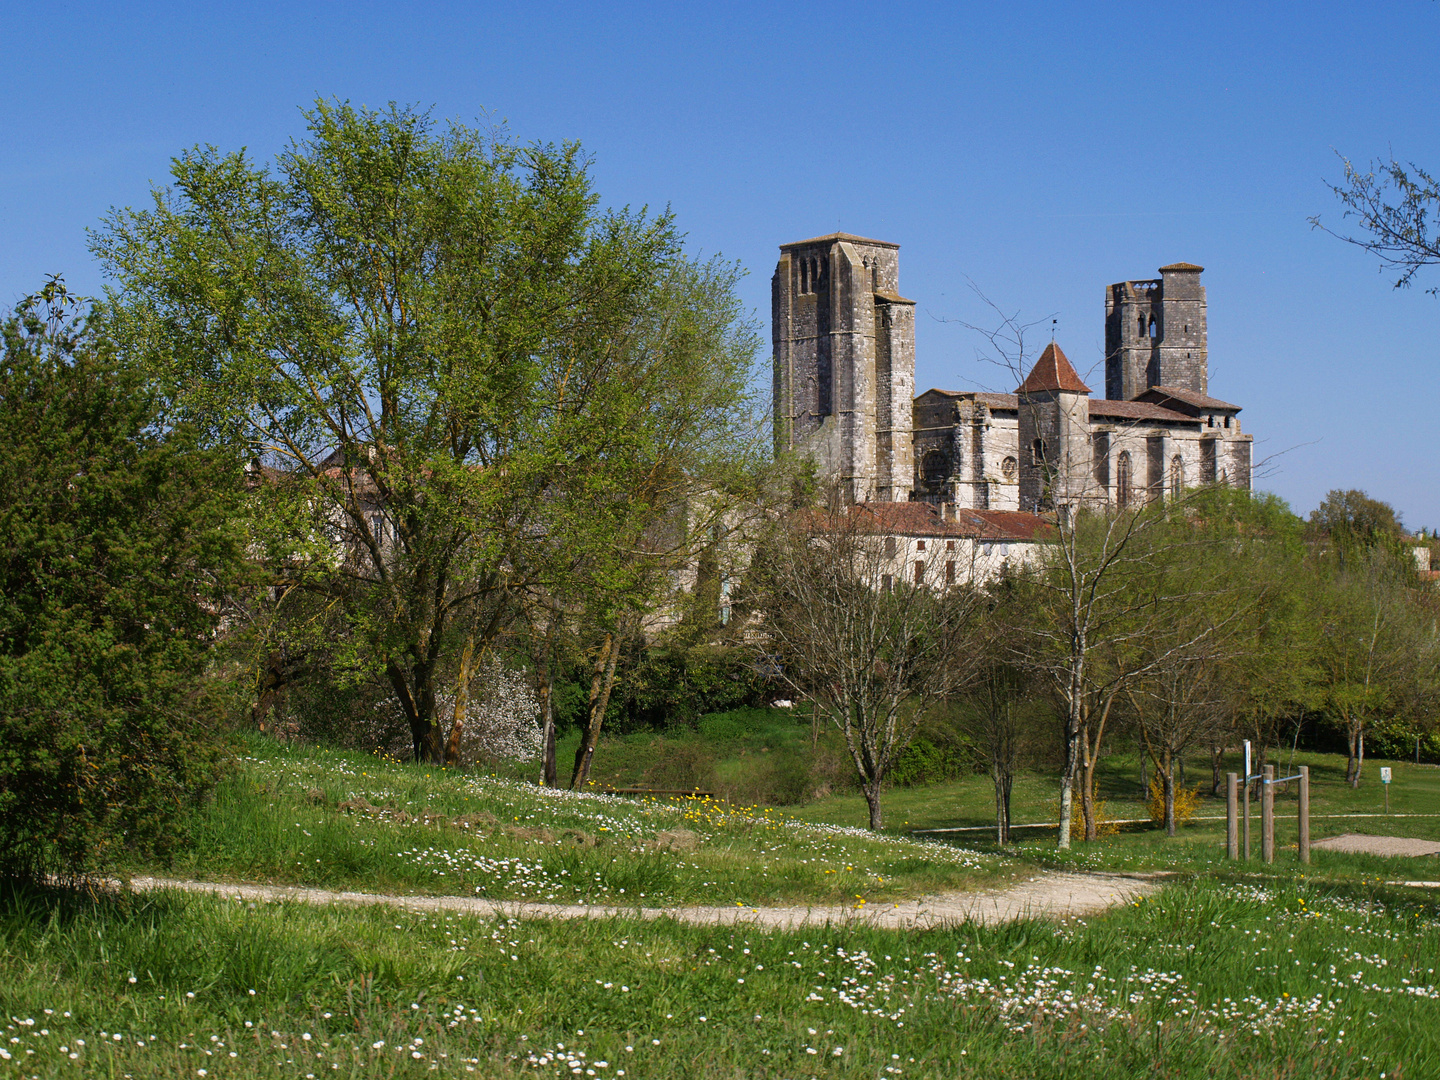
[(117, 545), (470, 382)]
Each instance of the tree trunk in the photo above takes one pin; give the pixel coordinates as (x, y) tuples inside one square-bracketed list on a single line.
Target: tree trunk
[(547, 716), (462, 701), (1352, 752), (1003, 781), (1359, 752), (872, 800), (1217, 762), (1168, 779), (1074, 723), (600, 687)]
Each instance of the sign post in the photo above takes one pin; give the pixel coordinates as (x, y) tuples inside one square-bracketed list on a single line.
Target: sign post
[(1385, 779)]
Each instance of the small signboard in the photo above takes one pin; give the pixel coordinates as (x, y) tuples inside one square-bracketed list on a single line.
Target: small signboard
[(1385, 774)]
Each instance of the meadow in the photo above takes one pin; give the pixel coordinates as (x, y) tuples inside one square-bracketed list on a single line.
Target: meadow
[(305, 816), (1230, 970)]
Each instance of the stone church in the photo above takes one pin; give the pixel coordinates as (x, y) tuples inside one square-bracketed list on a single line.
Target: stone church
[(844, 394)]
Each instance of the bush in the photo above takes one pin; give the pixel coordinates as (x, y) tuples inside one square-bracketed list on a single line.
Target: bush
[(117, 545), (925, 762), (675, 687), (1187, 801)]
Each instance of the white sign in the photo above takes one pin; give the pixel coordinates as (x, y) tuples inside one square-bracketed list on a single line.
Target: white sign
[(1385, 774), (1247, 759)]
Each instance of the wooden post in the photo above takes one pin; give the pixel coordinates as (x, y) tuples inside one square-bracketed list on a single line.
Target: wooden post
[(1267, 814), (1245, 791), (1305, 813), (1232, 824)]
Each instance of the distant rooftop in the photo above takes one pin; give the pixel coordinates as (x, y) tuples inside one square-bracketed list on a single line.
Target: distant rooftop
[(833, 237)]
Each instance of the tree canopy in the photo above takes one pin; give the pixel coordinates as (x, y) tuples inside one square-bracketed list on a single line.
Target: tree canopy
[(465, 380)]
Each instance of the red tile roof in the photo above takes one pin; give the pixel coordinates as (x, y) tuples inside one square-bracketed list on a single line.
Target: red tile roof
[(1053, 372), (1181, 266)]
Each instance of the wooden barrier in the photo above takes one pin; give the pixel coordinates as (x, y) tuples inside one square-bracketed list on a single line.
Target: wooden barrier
[(1232, 825), (1304, 813), (1267, 814)]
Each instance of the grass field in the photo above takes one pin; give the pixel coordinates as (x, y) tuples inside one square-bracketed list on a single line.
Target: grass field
[(302, 816), (1214, 978), (1230, 971)]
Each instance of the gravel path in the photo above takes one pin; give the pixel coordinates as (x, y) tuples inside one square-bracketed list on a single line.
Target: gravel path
[(1360, 844), (1055, 895)]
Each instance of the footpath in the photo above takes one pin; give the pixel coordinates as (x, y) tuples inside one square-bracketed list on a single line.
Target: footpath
[(1049, 895)]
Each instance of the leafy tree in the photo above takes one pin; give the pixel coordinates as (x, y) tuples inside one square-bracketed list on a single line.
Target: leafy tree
[(1353, 523), (1376, 651), (117, 544), (468, 383)]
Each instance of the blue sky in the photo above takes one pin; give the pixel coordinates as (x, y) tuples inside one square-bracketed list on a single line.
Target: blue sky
[(1039, 150)]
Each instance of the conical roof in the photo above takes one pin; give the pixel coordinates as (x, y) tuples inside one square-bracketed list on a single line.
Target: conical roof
[(1052, 372)]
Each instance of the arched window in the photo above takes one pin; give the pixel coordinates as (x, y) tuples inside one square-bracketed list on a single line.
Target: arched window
[(1037, 452), (804, 275), (1122, 480), (1140, 329), (1177, 475), (1152, 326)]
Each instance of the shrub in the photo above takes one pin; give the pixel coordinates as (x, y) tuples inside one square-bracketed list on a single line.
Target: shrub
[(925, 762), (117, 546), (502, 720), (1187, 801), (1105, 825), (675, 687)]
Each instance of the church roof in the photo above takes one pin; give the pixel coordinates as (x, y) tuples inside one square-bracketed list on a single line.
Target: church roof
[(833, 237), (929, 519), (1162, 395), (1182, 266), (1135, 410), (1053, 372), (891, 296)]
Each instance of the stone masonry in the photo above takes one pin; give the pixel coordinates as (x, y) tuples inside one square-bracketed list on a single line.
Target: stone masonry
[(844, 376)]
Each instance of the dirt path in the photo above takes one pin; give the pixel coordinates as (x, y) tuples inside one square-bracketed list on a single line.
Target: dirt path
[(1055, 895)]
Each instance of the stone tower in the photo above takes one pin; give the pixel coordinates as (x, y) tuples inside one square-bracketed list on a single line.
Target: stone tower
[(844, 378), (1155, 334), (1054, 433)]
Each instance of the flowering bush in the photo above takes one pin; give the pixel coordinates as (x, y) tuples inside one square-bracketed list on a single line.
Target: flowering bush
[(502, 719), (1186, 802)]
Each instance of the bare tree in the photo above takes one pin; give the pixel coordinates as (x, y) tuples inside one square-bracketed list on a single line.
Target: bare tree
[(1395, 207), (872, 653)]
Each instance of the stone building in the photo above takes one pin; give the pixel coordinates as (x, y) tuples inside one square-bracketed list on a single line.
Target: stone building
[(844, 376)]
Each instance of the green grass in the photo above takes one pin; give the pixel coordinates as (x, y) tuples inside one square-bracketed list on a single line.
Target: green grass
[(969, 803), (1230, 971), (314, 817), (1213, 979)]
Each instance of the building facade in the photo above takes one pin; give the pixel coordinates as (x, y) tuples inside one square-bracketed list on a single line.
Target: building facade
[(844, 377)]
